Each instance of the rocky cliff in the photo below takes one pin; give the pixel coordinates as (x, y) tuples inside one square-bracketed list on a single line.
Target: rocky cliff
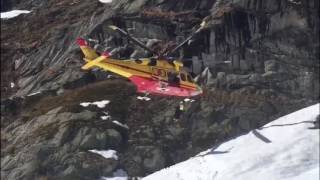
[(272, 48)]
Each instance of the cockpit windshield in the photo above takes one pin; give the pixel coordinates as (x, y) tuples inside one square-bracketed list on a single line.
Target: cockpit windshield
[(190, 79), (184, 76)]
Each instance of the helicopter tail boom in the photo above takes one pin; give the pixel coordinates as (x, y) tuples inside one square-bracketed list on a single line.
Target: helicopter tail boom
[(89, 53)]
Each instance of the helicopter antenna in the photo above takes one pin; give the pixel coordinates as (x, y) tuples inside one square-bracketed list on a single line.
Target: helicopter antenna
[(167, 53), (139, 43)]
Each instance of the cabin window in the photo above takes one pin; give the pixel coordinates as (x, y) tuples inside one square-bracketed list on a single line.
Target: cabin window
[(153, 62), (190, 79), (138, 61), (183, 77), (159, 72)]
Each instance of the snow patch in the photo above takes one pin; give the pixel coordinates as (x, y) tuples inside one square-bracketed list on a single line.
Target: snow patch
[(120, 124), (105, 117), (100, 104), (119, 174), (143, 98), (108, 154), (12, 85), (85, 104), (188, 100), (35, 93), (13, 13), (281, 150), (105, 1)]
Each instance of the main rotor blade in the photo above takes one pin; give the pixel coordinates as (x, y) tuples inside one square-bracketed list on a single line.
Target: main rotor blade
[(202, 26), (139, 43)]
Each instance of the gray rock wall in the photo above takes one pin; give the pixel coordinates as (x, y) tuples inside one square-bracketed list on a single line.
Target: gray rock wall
[(256, 60)]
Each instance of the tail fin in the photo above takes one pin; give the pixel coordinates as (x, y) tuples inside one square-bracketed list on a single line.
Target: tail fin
[(97, 61), (93, 63), (88, 52)]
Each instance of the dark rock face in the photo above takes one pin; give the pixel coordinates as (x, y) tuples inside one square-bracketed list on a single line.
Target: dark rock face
[(259, 60), (52, 140), (5, 5)]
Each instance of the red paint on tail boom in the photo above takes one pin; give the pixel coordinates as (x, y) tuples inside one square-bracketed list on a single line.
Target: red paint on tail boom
[(82, 42)]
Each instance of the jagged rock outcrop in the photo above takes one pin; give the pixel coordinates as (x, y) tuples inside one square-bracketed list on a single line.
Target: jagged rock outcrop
[(259, 60), (52, 140), (246, 33)]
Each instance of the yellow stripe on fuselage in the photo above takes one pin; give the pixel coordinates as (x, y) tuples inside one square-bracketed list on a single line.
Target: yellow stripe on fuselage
[(125, 68)]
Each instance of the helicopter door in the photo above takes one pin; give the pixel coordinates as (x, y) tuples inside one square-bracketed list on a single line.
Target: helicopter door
[(159, 73), (173, 79)]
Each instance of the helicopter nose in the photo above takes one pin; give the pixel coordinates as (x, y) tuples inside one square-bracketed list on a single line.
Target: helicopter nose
[(197, 92), (200, 91)]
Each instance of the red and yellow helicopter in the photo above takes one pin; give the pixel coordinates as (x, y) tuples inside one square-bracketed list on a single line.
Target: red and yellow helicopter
[(157, 75)]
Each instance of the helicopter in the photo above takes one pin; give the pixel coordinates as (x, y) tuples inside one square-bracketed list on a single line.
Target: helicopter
[(158, 75)]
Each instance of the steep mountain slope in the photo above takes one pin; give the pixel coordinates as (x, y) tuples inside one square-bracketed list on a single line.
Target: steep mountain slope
[(273, 47), (284, 149)]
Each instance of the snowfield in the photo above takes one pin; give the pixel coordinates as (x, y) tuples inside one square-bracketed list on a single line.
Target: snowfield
[(13, 13), (285, 149)]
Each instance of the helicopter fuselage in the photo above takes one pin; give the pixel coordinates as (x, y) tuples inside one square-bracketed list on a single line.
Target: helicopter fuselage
[(150, 75)]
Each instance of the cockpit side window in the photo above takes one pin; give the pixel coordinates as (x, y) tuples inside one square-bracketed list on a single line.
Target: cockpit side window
[(183, 77), (138, 61), (190, 79)]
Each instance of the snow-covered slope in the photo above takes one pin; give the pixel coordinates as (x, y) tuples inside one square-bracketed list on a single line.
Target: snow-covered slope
[(283, 149)]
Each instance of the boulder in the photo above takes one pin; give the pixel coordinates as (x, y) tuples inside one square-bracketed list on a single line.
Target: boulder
[(114, 138), (154, 160), (89, 142), (84, 165), (271, 66)]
